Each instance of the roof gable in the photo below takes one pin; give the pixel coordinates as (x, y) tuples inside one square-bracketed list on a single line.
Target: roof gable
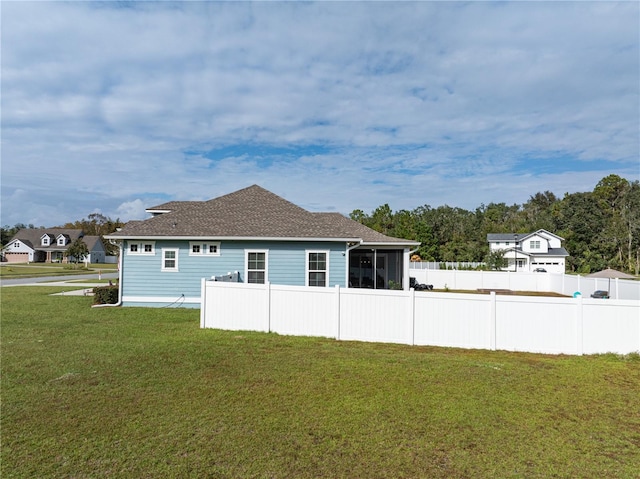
[(94, 243)]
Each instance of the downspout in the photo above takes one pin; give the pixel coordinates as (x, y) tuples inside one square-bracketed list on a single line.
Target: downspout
[(120, 263)]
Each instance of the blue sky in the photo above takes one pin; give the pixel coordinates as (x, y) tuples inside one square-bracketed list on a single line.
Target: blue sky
[(117, 106)]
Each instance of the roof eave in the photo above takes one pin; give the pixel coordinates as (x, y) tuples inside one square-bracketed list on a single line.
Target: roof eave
[(390, 243), (231, 238)]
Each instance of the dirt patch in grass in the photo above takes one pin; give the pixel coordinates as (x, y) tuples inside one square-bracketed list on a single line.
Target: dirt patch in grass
[(510, 292)]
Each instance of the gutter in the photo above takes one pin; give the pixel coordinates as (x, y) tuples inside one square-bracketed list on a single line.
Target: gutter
[(231, 238)]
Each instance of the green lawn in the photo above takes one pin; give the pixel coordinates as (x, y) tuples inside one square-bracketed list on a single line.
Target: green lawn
[(34, 270), (144, 393)]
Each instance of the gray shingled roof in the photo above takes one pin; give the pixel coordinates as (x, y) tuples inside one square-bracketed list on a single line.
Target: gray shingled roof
[(506, 236), (32, 237), (519, 236), (557, 252), (92, 242), (252, 212)]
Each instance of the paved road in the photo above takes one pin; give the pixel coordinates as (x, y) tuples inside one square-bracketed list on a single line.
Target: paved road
[(48, 279)]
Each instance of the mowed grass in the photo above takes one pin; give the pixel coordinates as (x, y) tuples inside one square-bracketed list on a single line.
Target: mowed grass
[(145, 393), (35, 270)]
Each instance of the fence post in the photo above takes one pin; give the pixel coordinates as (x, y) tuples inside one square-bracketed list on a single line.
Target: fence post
[(337, 312), (203, 302), (579, 326), (268, 292), (412, 298), (493, 327)]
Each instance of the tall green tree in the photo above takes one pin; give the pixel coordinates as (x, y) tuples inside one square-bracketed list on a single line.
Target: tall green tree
[(495, 260), (630, 213), (601, 227), (578, 219), (96, 224), (77, 251), (537, 212)]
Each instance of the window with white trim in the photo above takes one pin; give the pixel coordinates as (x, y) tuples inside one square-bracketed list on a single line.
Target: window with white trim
[(535, 244), (207, 248), (317, 268), (45, 241), (141, 247), (61, 240), (170, 259), (256, 267)]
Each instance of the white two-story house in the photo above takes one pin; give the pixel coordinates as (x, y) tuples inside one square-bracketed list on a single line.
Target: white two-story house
[(527, 252)]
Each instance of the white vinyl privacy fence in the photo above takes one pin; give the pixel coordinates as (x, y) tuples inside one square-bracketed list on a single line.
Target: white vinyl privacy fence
[(495, 322), (526, 281)]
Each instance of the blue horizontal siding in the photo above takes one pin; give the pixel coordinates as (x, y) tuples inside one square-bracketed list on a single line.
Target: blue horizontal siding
[(142, 275)]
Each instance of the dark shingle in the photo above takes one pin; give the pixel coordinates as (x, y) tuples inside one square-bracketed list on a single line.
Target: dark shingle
[(252, 212)]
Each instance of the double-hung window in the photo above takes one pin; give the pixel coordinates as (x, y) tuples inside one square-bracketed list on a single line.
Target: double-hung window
[(534, 244), (169, 259), (256, 267), (317, 270)]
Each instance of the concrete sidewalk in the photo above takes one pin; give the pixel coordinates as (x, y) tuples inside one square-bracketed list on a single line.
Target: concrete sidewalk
[(75, 292), (87, 288)]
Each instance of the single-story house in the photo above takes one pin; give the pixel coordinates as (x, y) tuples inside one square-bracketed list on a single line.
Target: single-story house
[(527, 252), (40, 245), (251, 236)]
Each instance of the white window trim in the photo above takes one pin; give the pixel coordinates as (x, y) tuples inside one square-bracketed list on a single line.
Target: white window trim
[(266, 263), (166, 250), (307, 270), (204, 248), (61, 240), (141, 245)]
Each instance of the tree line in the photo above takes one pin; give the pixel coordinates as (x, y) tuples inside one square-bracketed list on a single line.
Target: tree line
[(601, 228)]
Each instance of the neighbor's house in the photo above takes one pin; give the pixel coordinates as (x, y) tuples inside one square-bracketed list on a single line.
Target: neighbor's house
[(258, 235), (530, 251), (38, 245)]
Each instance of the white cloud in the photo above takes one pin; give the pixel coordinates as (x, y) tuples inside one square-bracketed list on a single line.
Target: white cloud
[(414, 103), (132, 210)]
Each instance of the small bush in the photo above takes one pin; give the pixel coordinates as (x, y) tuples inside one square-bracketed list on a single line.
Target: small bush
[(105, 295)]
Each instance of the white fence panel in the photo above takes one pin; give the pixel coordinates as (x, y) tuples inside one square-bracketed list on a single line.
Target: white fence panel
[(376, 315), (610, 326), (515, 323), (525, 281), (538, 325), (236, 306), (301, 311), (453, 320)]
